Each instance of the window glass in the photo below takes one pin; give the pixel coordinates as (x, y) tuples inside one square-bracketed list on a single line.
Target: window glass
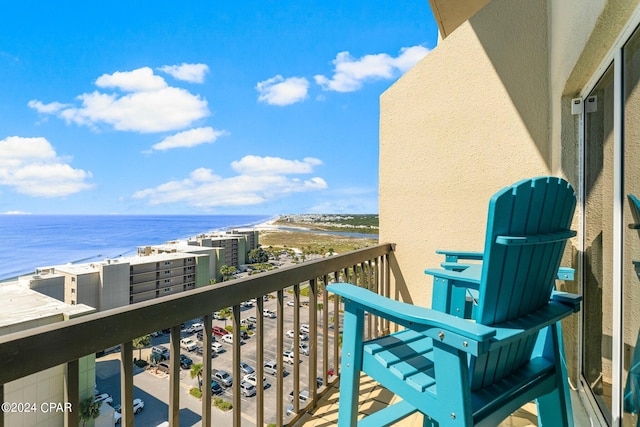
[(597, 286)]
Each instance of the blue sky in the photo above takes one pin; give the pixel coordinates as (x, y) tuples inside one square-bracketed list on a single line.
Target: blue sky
[(213, 107)]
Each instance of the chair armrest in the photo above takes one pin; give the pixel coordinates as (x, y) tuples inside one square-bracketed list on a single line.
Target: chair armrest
[(566, 298), (454, 256), (468, 336), (470, 275)]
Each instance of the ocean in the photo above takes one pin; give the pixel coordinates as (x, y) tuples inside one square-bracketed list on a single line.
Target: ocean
[(31, 241)]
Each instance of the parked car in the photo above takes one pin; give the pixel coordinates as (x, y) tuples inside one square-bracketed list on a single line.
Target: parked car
[(185, 362), (268, 313), (163, 367), (160, 352), (229, 339), (195, 328), (251, 379), (271, 368), (188, 344), (304, 349), (222, 377), (304, 328), (217, 347), (215, 387), (303, 396), (217, 315), (289, 357), (219, 331), (247, 390), (246, 368), (252, 319), (303, 337), (103, 397), (138, 405)]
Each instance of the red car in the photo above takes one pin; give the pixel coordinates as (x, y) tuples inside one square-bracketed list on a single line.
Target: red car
[(219, 331)]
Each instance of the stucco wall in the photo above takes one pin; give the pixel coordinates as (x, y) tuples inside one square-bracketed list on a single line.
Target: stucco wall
[(466, 121)]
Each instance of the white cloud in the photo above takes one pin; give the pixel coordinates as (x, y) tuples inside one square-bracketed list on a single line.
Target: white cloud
[(254, 185), (255, 165), (149, 106), (139, 80), (190, 138), (351, 73), (31, 166), (51, 108), (280, 91), (192, 73)]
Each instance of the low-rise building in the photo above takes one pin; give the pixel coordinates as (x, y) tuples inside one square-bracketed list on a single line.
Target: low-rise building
[(25, 308), (121, 281)]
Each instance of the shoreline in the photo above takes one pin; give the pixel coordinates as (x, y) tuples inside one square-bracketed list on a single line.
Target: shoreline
[(270, 234)]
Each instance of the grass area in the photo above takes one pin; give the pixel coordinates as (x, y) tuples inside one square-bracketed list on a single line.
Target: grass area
[(364, 224), (313, 243)]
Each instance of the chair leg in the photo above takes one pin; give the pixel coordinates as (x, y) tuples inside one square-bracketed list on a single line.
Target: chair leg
[(554, 409), (428, 422), (351, 365)]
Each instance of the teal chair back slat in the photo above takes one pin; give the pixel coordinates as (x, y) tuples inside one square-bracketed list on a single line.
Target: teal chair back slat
[(517, 279)]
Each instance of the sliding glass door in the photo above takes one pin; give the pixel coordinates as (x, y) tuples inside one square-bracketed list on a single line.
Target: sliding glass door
[(611, 275)]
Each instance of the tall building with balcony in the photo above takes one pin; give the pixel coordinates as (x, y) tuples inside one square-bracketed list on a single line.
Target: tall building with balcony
[(216, 255), (121, 281), (235, 247)]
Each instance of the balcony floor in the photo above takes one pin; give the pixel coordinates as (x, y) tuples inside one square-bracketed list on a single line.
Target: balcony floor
[(373, 397)]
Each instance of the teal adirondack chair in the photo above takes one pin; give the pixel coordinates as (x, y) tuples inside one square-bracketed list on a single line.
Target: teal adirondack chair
[(462, 373)]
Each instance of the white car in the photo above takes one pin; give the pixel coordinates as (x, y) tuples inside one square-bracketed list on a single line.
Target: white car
[(268, 313), (304, 328), (138, 404), (195, 328), (251, 379), (289, 357), (217, 347), (229, 339), (188, 344), (103, 397), (302, 336)]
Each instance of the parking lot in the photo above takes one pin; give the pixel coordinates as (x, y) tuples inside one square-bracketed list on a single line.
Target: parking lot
[(153, 387)]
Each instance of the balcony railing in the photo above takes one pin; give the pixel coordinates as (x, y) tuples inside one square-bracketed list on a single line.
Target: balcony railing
[(66, 342)]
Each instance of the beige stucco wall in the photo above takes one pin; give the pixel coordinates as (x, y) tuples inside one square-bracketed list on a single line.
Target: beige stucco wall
[(466, 121)]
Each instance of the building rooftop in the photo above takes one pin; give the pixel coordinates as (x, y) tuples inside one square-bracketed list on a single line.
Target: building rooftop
[(23, 305)]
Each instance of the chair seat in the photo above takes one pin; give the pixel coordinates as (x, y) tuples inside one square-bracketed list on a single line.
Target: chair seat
[(408, 356)]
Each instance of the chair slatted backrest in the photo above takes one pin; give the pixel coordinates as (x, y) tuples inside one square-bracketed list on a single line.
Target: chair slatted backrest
[(527, 229)]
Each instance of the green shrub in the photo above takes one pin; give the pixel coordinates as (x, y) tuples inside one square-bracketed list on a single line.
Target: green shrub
[(195, 392), (222, 404)]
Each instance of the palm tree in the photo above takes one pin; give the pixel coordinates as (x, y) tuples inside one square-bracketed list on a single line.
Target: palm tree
[(140, 343), (89, 410), (196, 371)]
